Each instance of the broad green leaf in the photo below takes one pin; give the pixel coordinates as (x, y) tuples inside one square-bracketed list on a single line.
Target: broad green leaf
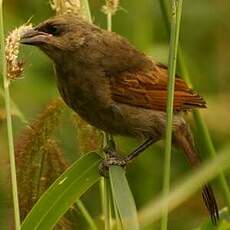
[(66, 190), (123, 198)]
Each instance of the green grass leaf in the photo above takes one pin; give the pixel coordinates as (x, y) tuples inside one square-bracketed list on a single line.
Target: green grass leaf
[(123, 198), (201, 126), (184, 189), (66, 190)]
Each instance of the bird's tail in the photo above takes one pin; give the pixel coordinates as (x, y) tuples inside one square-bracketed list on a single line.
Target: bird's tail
[(183, 139)]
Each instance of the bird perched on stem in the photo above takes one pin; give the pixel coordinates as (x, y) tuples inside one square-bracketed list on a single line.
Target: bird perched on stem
[(117, 88)]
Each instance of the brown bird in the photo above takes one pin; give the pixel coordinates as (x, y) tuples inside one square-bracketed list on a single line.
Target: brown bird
[(117, 88)]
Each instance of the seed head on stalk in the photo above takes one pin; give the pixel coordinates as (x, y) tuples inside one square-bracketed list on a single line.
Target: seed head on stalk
[(66, 6), (14, 65), (111, 7)]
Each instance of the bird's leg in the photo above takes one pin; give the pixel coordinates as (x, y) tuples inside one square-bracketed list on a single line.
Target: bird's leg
[(109, 145), (113, 158), (139, 150)]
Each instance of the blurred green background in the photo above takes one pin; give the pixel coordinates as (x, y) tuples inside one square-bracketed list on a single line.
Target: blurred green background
[(205, 37)]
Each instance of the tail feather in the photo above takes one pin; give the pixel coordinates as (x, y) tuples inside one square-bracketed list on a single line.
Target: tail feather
[(210, 203), (183, 139)]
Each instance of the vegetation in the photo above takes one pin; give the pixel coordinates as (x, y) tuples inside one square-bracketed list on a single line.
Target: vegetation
[(55, 147)]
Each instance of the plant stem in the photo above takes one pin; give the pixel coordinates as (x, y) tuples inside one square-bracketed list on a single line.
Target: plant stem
[(181, 63), (107, 203), (109, 21), (86, 9), (117, 216), (174, 41), (200, 123), (104, 201), (9, 123), (108, 140), (87, 216), (185, 188), (105, 187), (15, 109)]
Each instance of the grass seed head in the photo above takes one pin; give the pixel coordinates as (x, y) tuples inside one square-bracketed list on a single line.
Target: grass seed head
[(66, 6), (111, 6), (14, 65)]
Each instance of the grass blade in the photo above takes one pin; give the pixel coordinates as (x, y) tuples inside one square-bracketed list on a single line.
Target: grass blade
[(105, 193), (185, 189), (86, 10), (174, 41), (15, 109), (6, 84), (117, 216), (107, 203), (123, 198), (68, 188), (86, 215), (199, 121)]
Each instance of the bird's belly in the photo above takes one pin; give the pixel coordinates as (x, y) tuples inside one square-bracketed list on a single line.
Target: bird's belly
[(126, 120), (107, 119), (119, 119), (96, 112)]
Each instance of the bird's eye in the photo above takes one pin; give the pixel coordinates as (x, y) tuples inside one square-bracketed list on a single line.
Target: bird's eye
[(53, 29)]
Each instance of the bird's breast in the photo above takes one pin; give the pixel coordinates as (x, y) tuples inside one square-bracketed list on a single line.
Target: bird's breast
[(88, 94), (95, 111)]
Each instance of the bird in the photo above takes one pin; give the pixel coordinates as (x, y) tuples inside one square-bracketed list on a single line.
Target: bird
[(117, 88)]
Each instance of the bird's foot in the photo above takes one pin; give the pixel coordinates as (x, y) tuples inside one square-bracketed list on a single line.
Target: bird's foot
[(112, 158), (110, 148)]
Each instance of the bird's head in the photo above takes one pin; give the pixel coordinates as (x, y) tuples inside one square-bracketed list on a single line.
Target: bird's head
[(59, 35)]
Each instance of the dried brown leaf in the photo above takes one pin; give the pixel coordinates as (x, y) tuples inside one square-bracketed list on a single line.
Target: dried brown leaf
[(29, 153)]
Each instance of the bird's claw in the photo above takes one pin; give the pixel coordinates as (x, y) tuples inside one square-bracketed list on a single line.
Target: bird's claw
[(109, 161), (110, 151)]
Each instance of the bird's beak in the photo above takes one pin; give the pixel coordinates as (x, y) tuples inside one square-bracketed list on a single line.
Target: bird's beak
[(34, 37)]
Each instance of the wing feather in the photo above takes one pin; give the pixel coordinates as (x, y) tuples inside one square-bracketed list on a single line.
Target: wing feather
[(149, 90)]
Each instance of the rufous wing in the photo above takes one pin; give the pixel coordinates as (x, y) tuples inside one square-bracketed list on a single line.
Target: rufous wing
[(148, 89)]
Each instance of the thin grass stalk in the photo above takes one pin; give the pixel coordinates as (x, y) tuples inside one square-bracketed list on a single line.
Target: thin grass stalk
[(102, 194), (110, 8), (87, 216), (117, 216), (86, 9), (9, 123), (109, 138), (103, 183), (185, 188), (105, 187), (199, 120), (40, 168), (16, 109), (180, 59), (109, 21), (176, 9), (107, 203)]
